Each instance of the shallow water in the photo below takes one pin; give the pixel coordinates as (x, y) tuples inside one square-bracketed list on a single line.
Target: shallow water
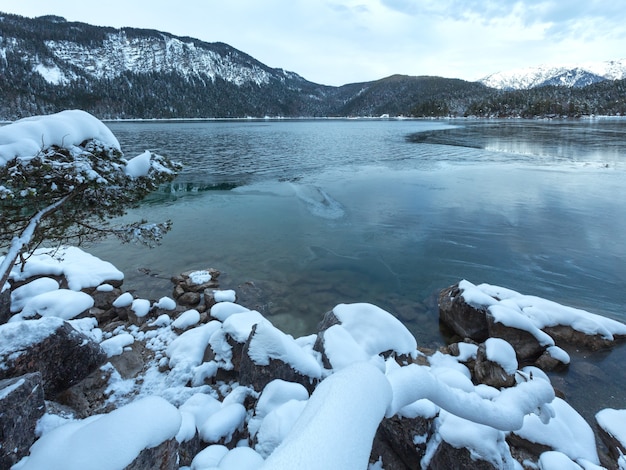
[(389, 212)]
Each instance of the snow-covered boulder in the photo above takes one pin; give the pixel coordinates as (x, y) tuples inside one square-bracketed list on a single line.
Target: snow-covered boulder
[(270, 354), (362, 332), (496, 363), (612, 426), (51, 346), (112, 441), (532, 325)]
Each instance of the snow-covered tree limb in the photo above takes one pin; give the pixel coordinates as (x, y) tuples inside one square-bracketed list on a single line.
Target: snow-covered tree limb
[(63, 178), (505, 412)]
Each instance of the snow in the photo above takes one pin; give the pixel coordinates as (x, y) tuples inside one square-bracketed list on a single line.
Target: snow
[(614, 423), (224, 295), (124, 300), (166, 303), (223, 310), (532, 313), (22, 294), (200, 277), (338, 423), (187, 319), (483, 442), (115, 346), (25, 138), (62, 303), (81, 269), (139, 165), (18, 336), (505, 412), (241, 458), (566, 432), (269, 342), (375, 329), (105, 442), (277, 425), (334, 427), (274, 395), (223, 423), (209, 457), (189, 347), (141, 307), (552, 460), (6, 391), (499, 351)]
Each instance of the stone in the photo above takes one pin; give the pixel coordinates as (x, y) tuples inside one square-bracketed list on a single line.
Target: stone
[(190, 299), (568, 335), (162, 457), (258, 376), (463, 319), (61, 354), (187, 450), (401, 442), (547, 363), (5, 306), (87, 397), (615, 447), (491, 373), (527, 348), (447, 457), (104, 299), (21, 405)]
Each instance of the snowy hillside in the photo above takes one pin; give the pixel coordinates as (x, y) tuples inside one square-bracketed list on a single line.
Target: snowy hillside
[(107, 53), (573, 75)]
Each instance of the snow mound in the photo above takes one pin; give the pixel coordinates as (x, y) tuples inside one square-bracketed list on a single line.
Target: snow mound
[(25, 138), (535, 313), (614, 423), (105, 442), (81, 269)]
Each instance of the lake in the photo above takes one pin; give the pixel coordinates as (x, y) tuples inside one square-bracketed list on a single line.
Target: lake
[(302, 215)]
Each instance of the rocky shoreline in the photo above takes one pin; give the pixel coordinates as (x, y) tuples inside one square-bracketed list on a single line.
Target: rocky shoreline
[(227, 386)]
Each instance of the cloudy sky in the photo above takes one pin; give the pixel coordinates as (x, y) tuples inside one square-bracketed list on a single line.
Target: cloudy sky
[(344, 41)]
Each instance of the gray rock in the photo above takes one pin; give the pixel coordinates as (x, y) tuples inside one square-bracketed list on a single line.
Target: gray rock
[(5, 306), (489, 372), (258, 376), (61, 354), (401, 442), (162, 457), (527, 348), (463, 319), (21, 405), (447, 457)]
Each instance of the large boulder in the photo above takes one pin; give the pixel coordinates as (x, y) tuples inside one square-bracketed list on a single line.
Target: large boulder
[(21, 405), (51, 346)]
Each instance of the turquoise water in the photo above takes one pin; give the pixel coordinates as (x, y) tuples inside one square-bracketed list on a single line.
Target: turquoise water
[(389, 212), (302, 215)]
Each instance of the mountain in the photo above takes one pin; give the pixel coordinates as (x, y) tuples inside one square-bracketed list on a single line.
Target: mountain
[(577, 76), (48, 64)]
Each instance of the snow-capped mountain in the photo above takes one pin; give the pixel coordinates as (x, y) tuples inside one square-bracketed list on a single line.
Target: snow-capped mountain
[(576, 75), (108, 53)]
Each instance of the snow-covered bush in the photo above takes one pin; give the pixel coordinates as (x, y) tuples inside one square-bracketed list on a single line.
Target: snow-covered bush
[(63, 177)]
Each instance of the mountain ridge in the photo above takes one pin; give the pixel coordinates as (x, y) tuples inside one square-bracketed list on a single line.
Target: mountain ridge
[(573, 75), (48, 64)]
